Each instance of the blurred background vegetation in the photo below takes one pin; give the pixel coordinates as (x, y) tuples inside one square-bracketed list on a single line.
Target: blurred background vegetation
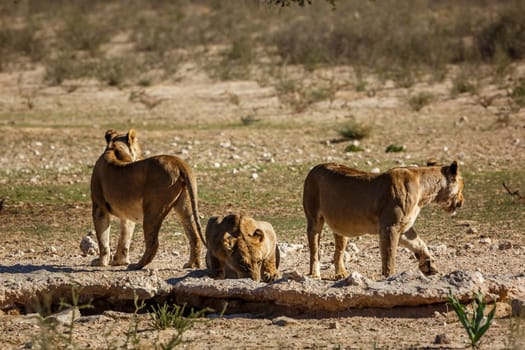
[(142, 42)]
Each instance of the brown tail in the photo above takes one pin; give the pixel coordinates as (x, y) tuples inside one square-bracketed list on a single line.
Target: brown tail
[(191, 185)]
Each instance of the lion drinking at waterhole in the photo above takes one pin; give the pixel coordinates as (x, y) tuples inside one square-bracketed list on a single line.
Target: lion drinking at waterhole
[(141, 190), (354, 202), (239, 246)]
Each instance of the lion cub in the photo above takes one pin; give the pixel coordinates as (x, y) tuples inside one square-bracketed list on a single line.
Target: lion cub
[(239, 246), (141, 190)]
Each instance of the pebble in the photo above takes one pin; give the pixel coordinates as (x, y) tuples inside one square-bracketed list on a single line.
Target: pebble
[(485, 240), (284, 321), (334, 325), (506, 245), (441, 339), (472, 230), (352, 247), (255, 176)]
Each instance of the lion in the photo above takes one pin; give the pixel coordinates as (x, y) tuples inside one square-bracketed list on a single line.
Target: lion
[(353, 202), (133, 189), (239, 246)]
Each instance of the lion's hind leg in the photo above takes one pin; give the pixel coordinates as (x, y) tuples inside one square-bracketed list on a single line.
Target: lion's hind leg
[(314, 228), (101, 221), (126, 233), (415, 244)]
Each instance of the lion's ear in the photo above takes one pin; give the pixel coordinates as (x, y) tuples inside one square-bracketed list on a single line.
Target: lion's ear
[(229, 241), (258, 234), (110, 135), (132, 136), (454, 168)]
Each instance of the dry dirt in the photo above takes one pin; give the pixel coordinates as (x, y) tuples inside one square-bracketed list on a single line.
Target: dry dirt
[(51, 136)]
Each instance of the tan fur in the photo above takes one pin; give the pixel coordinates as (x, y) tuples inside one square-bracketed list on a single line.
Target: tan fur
[(141, 190), (239, 246), (354, 202)]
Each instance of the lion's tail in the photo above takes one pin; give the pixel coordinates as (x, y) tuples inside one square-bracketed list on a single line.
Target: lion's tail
[(191, 185)]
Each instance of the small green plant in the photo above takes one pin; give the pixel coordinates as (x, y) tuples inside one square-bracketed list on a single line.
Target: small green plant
[(166, 316), (355, 131), (353, 148), (417, 102), (392, 148), (132, 332), (249, 120), (478, 324), (50, 335), (462, 84)]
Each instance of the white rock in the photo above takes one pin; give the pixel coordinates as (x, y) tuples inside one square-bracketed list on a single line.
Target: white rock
[(472, 230), (352, 247), (375, 171), (287, 248), (485, 240), (355, 279), (88, 246), (255, 176)]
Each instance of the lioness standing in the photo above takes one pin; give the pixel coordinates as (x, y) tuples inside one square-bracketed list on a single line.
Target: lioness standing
[(134, 190), (354, 202)]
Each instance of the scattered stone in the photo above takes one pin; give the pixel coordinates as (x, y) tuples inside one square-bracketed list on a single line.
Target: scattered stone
[(65, 316), (485, 240), (518, 307), (355, 279), (255, 176), (506, 245), (88, 246), (441, 339), (294, 276), (284, 321), (472, 230), (440, 249), (287, 248), (468, 246), (334, 325), (352, 247), (375, 171)]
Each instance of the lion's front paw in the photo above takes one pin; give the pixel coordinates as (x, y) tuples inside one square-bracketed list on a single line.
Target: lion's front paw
[(428, 267), (270, 276)]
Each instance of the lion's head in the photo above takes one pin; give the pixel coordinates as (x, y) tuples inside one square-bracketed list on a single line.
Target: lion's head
[(124, 147), (450, 197), (246, 250)]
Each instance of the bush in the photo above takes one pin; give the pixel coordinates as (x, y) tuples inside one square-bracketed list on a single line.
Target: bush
[(506, 34), (417, 102), (355, 131)]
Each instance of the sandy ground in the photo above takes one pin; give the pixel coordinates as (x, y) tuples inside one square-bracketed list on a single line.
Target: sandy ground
[(51, 136)]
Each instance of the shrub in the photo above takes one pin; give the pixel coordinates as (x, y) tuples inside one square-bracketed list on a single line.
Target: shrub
[(506, 33), (392, 148), (355, 131), (417, 102)]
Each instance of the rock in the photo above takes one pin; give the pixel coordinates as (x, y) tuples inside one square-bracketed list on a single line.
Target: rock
[(505, 245), (65, 316), (334, 325), (88, 246), (355, 279), (441, 339), (468, 246), (375, 171), (352, 247), (284, 321), (255, 176), (472, 230), (287, 248), (294, 276), (518, 307), (485, 240)]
